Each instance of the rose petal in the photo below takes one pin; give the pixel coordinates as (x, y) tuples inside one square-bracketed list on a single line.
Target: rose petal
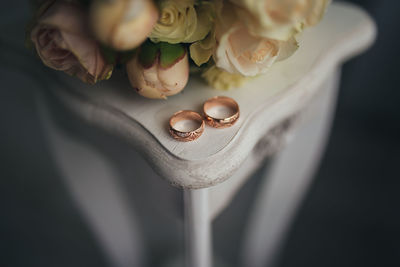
[(63, 42)]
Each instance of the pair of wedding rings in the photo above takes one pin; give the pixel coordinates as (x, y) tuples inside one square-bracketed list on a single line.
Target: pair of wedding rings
[(219, 112)]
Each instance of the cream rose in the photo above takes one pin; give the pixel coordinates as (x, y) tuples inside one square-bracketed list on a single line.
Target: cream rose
[(158, 71), (62, 40), (181, 21), (279, 19), (122, 24)]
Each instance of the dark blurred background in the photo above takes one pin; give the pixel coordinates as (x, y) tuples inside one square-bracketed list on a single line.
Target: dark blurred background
[(350, 216)]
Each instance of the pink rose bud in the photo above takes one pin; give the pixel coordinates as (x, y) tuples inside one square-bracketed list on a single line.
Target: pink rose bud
[(123, 24), (159, 70), (62, 40)]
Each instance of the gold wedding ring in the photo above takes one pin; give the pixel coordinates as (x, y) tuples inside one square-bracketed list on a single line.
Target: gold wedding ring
[(183, 135), (224, 120)]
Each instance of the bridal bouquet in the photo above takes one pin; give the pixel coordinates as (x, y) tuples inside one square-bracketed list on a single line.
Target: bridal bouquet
[(159, 41)]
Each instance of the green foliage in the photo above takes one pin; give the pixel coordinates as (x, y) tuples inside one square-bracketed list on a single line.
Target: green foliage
[(110, 55), (148, 53), (164, 53), (170, 53)]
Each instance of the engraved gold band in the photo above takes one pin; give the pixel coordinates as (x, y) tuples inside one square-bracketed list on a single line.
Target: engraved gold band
[(221, 101), (189, 135)]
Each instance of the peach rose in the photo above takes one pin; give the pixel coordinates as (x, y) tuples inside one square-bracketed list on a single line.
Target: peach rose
[(62, 40), (238, 51), (159, 70), (123, 24)]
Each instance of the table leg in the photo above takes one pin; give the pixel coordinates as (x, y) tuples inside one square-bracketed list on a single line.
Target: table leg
[(197, 228), (287, 180)]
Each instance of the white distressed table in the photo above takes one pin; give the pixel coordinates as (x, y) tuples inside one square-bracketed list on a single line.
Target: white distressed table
[(294, 101)]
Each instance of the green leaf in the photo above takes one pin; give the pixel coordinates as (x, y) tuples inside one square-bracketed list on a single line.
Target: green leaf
[(110, 55), (170, 54), (125, 56), (148, 53)]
